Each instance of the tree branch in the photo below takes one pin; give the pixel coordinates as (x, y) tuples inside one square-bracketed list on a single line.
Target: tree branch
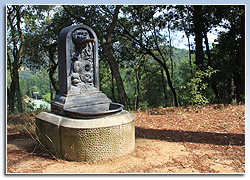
[(114, 22), (156, 42), (81, 20)]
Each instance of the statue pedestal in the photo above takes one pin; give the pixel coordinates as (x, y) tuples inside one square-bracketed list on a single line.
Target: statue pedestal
[(87, 126), (87, 139)]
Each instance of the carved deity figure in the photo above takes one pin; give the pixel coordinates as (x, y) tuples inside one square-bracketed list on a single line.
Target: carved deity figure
[(82, 61)]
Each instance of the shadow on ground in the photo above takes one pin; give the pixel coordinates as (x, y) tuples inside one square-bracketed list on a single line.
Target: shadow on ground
[(194, 137), (25, 142)]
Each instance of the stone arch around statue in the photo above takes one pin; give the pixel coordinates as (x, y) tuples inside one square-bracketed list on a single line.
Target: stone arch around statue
[(65, 49)]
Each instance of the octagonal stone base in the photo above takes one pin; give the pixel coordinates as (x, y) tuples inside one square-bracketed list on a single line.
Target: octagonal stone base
[(87, 139)]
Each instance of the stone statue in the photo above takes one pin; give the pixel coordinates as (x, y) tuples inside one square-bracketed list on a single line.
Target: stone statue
[(82, 62), (79, 94), (84, 124)]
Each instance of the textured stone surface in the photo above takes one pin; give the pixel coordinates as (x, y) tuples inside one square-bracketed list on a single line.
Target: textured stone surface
[(90, 102), (78, 71), (87, 140), (84, 123), (78, 60)]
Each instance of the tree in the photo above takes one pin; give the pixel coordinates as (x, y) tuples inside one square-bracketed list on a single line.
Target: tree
[(41, 40), (204, 19), (198, 26), (149, 26), (133, 61), (183, 22), (229, 55), (136, 52), (15, 42)]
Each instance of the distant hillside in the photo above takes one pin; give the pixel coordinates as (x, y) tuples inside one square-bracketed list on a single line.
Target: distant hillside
[(25, 73), (179, 54)]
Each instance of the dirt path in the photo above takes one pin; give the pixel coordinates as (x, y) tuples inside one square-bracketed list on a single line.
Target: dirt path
[(206, 145)]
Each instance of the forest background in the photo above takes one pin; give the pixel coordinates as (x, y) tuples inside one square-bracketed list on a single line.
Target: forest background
[(139, 66)]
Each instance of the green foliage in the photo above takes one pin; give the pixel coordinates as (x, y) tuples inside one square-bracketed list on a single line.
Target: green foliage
[(152, 90), (229, 57), (151, 93), (198, 86), (47, 97), (141, 55), (38, 82), (182, 76)]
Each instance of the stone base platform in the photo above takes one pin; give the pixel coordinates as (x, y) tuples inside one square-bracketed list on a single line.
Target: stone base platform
[(87, 139)]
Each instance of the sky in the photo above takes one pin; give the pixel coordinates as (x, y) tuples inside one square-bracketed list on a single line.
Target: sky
[(180, 44), (181, 40)]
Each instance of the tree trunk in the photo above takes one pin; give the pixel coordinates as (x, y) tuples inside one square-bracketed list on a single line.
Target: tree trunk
[(171, 60), (198, 26), (239, 81), (50, 86), (107, 49), (113, 87), (51, 91), (53, 81), (164, 87), (138, 76), (239, 76), (171, 86), (14, 91), (170, 56), (163, 64), (216, 92), (11, 97), (207, 47), (232, 91), (190, 58), (14, 24), (115, 71), (18, 92), (52, 68), (212, 81), (11, 90)]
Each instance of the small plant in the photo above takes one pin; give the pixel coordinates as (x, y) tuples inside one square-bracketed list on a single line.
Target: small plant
[(198, 86), (29, 127)]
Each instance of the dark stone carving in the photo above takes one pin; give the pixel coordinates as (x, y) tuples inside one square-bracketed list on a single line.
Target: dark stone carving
[(78, 75), (82, 75)]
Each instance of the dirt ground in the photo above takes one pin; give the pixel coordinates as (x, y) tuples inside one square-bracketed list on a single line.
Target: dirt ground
[(189, 139)]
